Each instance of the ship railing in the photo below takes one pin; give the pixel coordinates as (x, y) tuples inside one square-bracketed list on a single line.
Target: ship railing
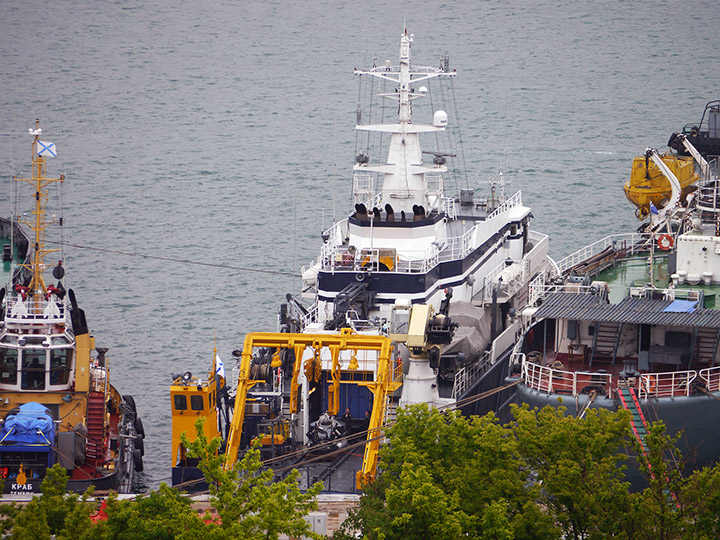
[(711, 376), (35, 311), (448, 206), (423, 262), (396, 374), (512, 202), (457, 247), (309, 317), (708, 198), (364, 189), (551, 380), (537, 289), (354, 321), (466, 376), (486, 291), (98, 378), (633, 242), (335, 256), (336, 233), (541, 290), (434, 191), (668, 384)]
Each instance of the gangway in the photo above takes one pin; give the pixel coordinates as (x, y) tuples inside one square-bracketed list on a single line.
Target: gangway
[(637, 422), (629, 401)]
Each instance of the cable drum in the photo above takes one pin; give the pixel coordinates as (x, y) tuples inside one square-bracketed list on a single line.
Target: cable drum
[(261, 372)]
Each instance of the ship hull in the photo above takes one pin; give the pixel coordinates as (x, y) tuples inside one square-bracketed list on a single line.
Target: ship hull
[(695, 418)]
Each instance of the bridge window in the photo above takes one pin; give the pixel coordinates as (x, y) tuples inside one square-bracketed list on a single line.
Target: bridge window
[(33, 370), (196, 403), (60, 364), (180, 402), (8, 366)]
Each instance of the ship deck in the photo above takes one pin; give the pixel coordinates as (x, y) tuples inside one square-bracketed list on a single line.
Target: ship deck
[(635, 271), (663, 370)]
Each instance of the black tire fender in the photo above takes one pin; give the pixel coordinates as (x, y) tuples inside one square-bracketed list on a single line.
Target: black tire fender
[(139, 429), (137, 460)]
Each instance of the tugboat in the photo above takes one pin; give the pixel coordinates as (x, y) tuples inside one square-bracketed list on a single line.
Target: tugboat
[(441, 278), (56, 401), (634, 322), (705, 136)]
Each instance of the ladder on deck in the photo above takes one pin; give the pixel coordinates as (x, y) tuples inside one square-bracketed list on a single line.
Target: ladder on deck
[(605, 341), (705, 347)]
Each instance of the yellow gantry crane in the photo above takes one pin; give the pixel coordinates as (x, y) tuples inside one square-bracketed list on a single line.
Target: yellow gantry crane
[(387, 380)]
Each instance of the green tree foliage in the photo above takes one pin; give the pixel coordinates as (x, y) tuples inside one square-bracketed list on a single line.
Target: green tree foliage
[(544, 475), (249, 504), (246, 505), (46, 516)]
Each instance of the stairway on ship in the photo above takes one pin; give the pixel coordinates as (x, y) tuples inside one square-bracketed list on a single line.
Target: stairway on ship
[(706, 344), (96, 429), (605, 342)]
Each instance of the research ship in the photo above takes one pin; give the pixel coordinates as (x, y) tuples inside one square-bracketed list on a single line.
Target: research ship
[(57, 405), (635, 321), (414, 297)]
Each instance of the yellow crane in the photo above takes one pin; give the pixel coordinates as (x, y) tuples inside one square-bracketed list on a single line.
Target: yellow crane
[(387, 380)]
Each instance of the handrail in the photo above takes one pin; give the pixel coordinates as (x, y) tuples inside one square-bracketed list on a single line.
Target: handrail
[(412, 262), (669, 384), (711, 376), (512, 202), (551, 380), (637, 241), (34, 311), (649, 385), (466, 376), (310, 316)]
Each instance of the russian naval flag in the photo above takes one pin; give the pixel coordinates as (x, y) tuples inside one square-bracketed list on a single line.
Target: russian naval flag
[(47, 149)]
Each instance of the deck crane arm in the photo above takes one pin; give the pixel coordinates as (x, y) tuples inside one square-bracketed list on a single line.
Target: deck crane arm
[(701, 161), (664, 213)]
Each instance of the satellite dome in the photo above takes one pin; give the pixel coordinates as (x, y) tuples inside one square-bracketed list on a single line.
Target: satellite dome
[(440, 119)]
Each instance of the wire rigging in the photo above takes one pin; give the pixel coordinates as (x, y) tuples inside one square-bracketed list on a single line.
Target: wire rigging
[(184, 261)]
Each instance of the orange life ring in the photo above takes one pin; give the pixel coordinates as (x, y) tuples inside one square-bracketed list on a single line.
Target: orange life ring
[(665, 242)]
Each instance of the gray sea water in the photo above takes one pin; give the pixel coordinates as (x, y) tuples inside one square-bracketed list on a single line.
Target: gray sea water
[(222, 132)]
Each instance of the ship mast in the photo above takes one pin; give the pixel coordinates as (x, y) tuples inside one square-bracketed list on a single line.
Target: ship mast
[(404, 183), (39, 182)]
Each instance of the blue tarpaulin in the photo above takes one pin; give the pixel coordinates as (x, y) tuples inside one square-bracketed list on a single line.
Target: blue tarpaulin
[(681, 306), (32, 424)]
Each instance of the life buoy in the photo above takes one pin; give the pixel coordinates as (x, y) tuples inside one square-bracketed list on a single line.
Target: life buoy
[(665, 242)]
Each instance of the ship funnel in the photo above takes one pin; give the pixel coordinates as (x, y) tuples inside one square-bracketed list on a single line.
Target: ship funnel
[(440, 119)]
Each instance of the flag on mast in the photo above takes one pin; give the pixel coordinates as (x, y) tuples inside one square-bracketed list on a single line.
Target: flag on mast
[(47, 149), (219, 366)]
